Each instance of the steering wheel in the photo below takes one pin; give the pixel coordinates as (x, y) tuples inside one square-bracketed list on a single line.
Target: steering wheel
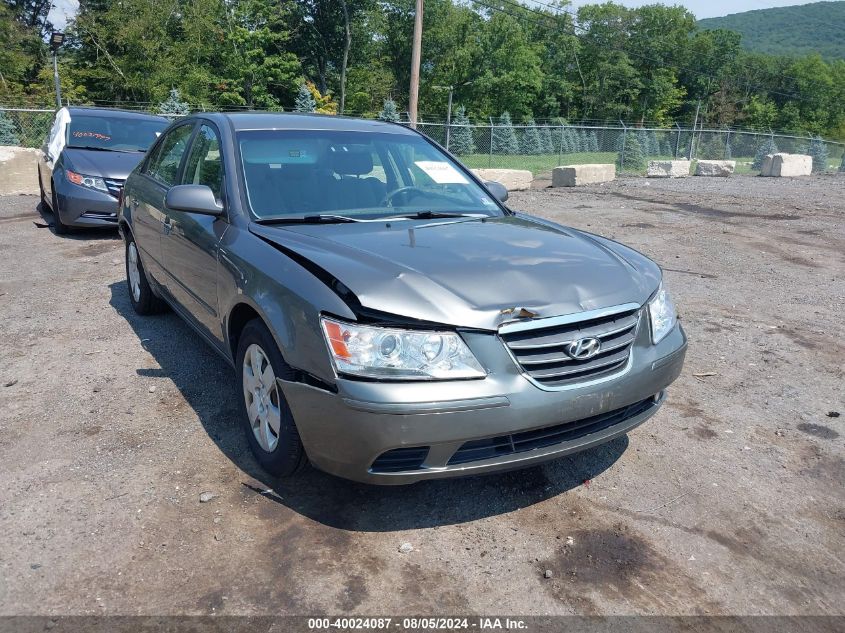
[(388, 199)]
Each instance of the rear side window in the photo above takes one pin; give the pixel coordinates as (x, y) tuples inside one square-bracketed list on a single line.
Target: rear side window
[(164, 166), (205, 166)]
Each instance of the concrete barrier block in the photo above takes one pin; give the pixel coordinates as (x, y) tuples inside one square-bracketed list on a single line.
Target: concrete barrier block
[(718, 168), (766, 168), (512, 179), (577, 175), (668, 168), (19, 170), (789, 165)]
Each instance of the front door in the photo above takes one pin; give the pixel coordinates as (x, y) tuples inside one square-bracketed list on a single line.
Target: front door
[(190, 241), (146, 197)]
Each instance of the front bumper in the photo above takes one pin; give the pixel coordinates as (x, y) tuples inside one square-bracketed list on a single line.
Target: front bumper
[(345, 432), (83, 207)]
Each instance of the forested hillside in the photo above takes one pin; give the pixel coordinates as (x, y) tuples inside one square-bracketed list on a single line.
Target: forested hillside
[(799, 30), (603, 63)]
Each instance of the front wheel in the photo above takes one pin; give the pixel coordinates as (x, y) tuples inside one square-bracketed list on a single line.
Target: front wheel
[(58, 226), (268, 421), (140, 293)]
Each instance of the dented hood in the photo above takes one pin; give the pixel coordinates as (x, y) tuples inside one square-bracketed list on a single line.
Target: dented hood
[(466, 273)]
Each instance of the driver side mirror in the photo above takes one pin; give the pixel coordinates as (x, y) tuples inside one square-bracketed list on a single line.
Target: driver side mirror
[(193, 199), (499, 191)]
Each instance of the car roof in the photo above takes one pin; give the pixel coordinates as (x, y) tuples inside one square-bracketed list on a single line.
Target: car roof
[(307, 121), (115, 113)]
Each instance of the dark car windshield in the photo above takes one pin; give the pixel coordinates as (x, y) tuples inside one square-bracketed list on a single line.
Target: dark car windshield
[(300, 173), (124, 134)]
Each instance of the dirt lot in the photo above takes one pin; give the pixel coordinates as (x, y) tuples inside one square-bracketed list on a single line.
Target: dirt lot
[(729, 501)]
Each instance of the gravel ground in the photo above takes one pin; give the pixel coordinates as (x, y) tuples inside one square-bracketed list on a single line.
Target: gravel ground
[(729, 501)]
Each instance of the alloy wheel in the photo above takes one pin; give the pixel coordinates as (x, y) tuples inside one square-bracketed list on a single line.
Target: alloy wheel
[(261, 394), (133, 272)]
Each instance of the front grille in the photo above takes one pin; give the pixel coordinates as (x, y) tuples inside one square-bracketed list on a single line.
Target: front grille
[(114, 185), (541, 350), (488, 448), (400, 459)]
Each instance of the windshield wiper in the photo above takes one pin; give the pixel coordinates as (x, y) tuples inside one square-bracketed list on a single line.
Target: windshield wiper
[(432, 215), (322, 218), (105, 149)]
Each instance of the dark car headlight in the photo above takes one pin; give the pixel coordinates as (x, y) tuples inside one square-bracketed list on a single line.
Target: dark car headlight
[(662, 314), (392, 353), (89, 182)]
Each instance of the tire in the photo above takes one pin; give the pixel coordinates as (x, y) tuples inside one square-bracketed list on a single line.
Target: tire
[(58, 226), (141, 295), (42, 198), (279, 452)]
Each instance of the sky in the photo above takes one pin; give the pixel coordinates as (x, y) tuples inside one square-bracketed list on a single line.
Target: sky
[(700, 8), (65, 9)]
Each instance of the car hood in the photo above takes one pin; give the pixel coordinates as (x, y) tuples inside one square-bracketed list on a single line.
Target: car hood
[(472, 273), (115, 165)]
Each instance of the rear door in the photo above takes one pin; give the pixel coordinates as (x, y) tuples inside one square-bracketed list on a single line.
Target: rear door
[(146, 196), (190, 240)]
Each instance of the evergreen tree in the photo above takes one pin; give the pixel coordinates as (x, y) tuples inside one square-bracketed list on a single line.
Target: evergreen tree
[(567, 143), (531, 143), (546, 140), (461, 141), (653, 143), (389, 112), (592, 142), (818, 150), (8, 133), (631, 158), (504, 136), (766, 147), (304, 100), (173, 105)]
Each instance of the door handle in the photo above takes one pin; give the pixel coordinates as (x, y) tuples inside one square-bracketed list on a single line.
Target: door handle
[(168, 225)]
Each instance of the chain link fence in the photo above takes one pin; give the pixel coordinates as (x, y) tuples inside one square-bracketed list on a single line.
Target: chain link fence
[(539, 148)]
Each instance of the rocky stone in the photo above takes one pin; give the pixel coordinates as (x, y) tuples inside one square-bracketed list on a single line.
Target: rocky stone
[(512, 179), (577, 175), (668, 168), (19, 170), (718, 168)]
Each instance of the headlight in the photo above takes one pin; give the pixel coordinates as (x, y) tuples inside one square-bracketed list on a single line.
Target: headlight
[(662, 315), (91, 182), (388, 353)]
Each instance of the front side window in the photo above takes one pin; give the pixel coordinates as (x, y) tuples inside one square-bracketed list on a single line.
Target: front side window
[(115, 134), (164, 166), (205, 166), (363, 175)]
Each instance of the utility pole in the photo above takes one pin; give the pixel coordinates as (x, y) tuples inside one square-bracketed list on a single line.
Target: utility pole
[(415, 64), (449, 118)]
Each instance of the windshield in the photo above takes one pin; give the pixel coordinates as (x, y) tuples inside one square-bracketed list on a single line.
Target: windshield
[(119, 134), (361, 175)]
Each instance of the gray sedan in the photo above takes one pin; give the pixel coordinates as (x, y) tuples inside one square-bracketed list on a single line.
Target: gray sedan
[(388, 318)]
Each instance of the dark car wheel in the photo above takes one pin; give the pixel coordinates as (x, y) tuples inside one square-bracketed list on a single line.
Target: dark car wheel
[(58, 226), (268, 421), (140, 293)]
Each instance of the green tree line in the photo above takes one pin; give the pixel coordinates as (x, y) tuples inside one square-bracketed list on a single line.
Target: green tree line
[(605, 62)]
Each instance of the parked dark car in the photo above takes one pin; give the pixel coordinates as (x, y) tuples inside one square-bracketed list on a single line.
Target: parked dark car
[(86, 159), (387, 317)]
